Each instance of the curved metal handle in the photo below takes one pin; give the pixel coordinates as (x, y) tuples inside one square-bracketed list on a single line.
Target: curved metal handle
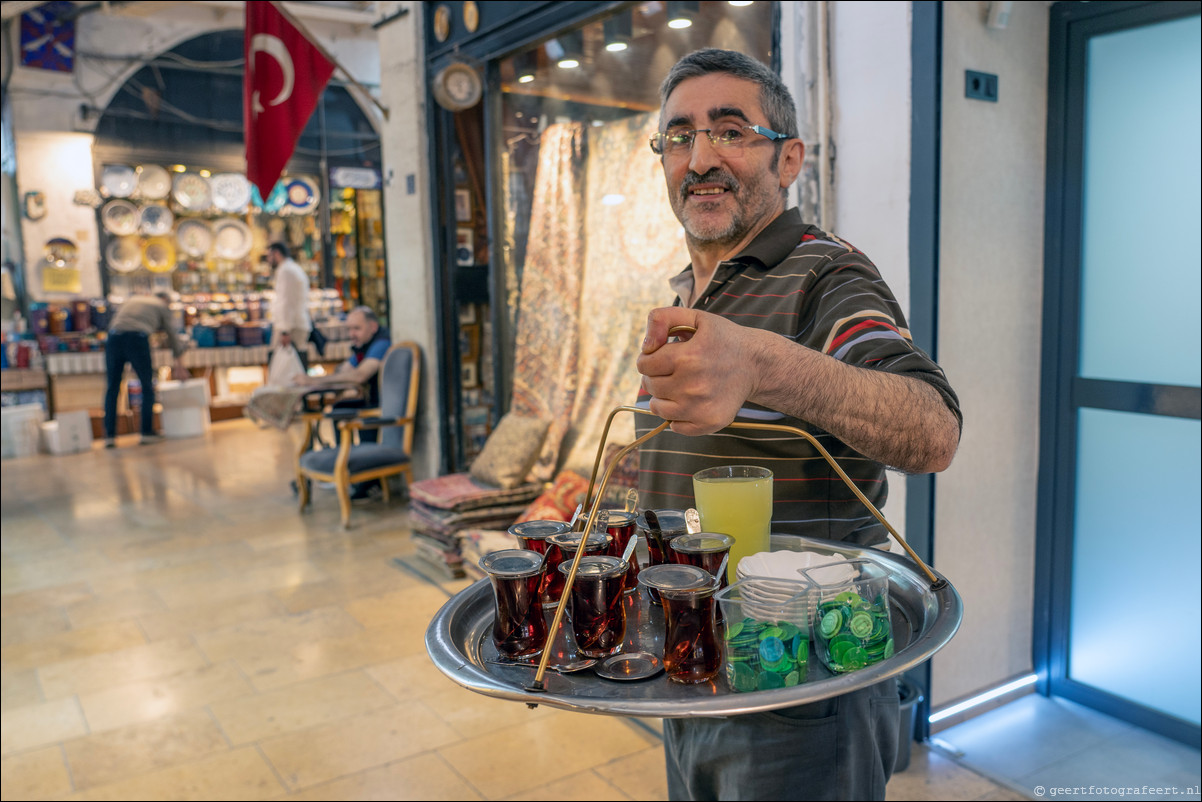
[(594, 504)]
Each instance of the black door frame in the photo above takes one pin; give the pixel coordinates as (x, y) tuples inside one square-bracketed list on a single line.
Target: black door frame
[(1072, 24)]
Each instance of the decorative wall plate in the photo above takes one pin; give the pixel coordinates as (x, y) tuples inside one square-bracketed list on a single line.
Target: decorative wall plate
[(120, 217), (158, 254), (194, 238), (192, 191), (118, 180), (302, 195), (231, 192), (156, 220), (124, 254), (232, 239), (457, 87), (154, 182)]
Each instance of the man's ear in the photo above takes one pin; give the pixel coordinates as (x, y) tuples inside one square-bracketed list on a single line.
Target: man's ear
[(792, 154)]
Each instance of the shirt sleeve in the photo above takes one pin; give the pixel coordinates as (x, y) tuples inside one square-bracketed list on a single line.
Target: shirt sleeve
[(377, 350), (857, 320), (173, 340), (288, 310)]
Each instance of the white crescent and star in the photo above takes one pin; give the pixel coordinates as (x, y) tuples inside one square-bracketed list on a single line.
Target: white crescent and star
[(274, 47)]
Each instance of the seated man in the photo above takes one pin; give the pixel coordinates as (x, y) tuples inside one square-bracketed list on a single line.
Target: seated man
[(369, 344)]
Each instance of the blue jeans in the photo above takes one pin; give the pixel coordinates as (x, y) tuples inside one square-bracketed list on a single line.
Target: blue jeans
[(841, 748), (132, 347)]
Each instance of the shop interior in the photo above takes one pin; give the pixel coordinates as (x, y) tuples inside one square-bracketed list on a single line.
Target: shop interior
[(174, 211)]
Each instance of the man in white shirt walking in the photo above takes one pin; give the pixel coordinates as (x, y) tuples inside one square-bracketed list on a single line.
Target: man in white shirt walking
[(290, 322)]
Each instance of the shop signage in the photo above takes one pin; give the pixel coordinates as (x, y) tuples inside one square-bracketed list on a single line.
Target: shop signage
[(61, 279), (355, 177)]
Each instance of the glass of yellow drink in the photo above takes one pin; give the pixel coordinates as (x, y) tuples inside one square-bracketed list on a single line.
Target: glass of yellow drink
[(736, 500)]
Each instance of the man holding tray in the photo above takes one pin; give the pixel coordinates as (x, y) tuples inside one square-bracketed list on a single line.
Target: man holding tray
[(793, 326)]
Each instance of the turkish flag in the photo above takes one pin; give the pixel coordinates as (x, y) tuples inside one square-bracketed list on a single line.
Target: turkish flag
[(285, 76)]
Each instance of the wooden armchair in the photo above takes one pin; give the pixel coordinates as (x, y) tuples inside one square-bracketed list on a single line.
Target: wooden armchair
[(352, 462)]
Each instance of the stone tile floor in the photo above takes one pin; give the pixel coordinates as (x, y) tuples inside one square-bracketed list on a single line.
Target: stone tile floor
[(174, 629)]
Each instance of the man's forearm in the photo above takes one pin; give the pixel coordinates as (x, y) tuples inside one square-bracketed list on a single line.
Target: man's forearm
[(898, 420)]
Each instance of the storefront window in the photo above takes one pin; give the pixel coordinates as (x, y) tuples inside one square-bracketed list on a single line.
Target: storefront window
[(588, 239)]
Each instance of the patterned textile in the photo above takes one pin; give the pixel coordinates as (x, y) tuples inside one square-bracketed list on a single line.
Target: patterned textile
[(275, 406), (475, 543), (632, 249), (560, 500), (545, 347), (445, 522), (624, 478), (510, 451), (459, 492)]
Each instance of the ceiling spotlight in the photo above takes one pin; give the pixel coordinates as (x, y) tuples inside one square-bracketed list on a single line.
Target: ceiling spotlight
[(571, 49), (618, 32), (740, 3), (681, 13), (525, 65)]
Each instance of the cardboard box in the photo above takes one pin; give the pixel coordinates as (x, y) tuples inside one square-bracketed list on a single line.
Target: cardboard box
[(180, 395), (20, 427), (68, 433), (185, 421)]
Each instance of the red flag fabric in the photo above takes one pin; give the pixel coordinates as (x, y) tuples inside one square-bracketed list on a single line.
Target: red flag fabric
[(285, 75)]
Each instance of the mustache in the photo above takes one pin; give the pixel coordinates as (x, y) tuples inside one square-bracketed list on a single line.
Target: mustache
[(712, 176)]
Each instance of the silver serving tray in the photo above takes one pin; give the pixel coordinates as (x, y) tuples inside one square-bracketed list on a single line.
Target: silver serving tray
[(459, 642)]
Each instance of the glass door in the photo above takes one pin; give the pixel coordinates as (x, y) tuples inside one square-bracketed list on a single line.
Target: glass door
[(1119, 494)]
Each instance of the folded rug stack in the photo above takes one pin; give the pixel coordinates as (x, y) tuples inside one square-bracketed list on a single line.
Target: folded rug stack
[(442, 508)]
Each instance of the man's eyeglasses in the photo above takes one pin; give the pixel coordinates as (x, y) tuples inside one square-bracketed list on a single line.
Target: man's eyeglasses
[(727, 136)]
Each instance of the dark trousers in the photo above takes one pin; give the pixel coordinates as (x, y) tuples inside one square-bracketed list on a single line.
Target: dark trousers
[(833, 749), (133, 348)]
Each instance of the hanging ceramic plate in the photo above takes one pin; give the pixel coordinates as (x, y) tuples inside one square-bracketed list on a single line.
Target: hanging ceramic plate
[(277, 200), (124, 254), (120, 217), (118, 180), (192, 191), (194, 238), (231, 239), (231, 192), (156, 220), (154, 182), (158, 254), (302, 195)]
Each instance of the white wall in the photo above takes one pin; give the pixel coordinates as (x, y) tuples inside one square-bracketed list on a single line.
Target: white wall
[(991, 224), (990, 296), (870, 113), (407, 216), (58, 164)]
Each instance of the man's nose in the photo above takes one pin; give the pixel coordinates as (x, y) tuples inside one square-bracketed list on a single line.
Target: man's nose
[(703, 156)]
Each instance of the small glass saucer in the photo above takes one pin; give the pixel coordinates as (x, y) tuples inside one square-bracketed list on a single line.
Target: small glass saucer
[(629, 666)]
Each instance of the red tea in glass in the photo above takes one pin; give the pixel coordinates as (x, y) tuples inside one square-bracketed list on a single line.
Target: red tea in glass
[(597, 611), (621, 529), (705, 550), (519, 628), (563, 547), (671, 525), (533, 535), (692, 648)]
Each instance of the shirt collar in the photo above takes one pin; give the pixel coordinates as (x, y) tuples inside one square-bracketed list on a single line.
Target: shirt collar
[(770, 247)]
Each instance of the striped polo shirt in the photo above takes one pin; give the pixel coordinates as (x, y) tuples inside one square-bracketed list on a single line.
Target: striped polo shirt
[(819, 291)]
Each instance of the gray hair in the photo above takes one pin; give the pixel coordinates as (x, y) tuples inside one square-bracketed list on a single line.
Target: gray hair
[(368, 313), (774, 95)]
